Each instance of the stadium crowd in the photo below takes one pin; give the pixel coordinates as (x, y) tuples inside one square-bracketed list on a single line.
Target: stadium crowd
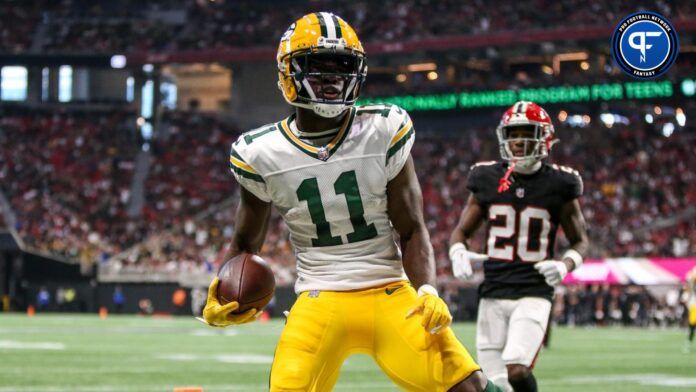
[(634, 177), (68, 177), (188, 174), (613, 305), (182, 25), (19, 22)]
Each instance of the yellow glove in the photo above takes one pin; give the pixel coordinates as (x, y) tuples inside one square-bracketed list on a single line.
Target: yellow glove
[(217, 315), (436, 315)]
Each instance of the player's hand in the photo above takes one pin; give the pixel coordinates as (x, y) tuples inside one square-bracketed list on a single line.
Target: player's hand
[(461, 259), (217, 315), (436, 315), (554, 271)]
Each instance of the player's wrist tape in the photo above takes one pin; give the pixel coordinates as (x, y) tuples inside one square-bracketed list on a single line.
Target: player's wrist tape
[(456, 248), (575, 256), (427, 289)]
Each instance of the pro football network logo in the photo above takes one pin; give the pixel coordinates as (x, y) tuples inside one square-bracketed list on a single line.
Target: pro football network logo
[(645, 45)]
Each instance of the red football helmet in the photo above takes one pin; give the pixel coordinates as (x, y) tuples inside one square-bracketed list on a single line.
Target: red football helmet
[(526, 114)]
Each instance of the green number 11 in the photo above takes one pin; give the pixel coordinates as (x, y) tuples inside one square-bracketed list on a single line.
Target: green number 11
[(346, 184)]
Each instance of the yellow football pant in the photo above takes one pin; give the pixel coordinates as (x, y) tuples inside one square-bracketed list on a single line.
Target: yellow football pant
[(692, 315), (325, 327)]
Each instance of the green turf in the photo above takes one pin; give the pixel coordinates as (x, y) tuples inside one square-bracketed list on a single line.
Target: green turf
[(127, 353)]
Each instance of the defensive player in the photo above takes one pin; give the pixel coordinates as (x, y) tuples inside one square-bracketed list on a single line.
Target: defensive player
[(522, 200), (341, 176), (690, 302)]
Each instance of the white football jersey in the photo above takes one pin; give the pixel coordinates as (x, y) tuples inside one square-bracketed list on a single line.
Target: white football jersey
[(333, 198)]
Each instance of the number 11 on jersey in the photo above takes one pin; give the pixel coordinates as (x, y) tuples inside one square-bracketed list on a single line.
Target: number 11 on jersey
[(346, 184)]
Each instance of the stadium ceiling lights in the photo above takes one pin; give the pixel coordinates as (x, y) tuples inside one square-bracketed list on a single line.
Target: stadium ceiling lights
[(667, 129), (688, 87), (421, 67), (118, 61), (680, 117), (609, 119)]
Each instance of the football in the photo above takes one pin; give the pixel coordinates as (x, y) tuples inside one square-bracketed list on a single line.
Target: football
[(247, 279)]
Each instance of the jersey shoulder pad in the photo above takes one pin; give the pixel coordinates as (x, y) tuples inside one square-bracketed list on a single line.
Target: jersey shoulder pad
[(565, 169), (382, 110), (246, 150), (484, 175), (483, 164), (392, 121), (255, 137), (571, 180)]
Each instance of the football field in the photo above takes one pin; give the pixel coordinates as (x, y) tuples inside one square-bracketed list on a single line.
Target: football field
[(83, 353)]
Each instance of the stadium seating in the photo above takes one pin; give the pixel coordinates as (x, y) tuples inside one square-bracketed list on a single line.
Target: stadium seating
[(77, 207), (178, 25), (70, 189), (67, 176)]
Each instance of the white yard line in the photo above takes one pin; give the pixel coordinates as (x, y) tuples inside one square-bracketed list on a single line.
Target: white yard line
[(122, 388), (655, 380), (17, 345), (206, 388)]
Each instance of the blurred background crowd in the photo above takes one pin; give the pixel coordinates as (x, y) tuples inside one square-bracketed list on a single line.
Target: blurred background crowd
[(136, 182)]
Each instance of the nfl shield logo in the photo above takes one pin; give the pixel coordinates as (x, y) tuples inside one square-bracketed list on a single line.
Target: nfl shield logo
[(323, 153), (519, 192)]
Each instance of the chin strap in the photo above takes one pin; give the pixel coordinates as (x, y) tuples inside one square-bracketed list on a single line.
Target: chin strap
[(505, 182)]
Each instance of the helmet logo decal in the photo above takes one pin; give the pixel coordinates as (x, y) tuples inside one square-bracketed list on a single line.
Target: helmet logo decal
[(288, 33)]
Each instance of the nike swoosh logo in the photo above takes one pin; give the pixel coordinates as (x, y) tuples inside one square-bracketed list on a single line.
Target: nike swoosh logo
[(391, 290)]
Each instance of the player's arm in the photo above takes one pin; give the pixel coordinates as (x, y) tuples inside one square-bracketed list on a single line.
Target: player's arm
[(469, 221), (249, 233), (405, 209), (574, 227), (460, 256), (251, 220), (573, 224)]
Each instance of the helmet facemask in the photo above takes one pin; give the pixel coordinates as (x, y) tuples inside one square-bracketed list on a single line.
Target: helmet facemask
[(327, 80), (525, 144)]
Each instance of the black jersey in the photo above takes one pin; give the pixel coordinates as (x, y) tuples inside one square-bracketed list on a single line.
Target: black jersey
[(521, 225)]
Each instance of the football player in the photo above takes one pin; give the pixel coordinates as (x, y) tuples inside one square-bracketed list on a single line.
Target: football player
[(522, 200), (690, 302), (342, 176)]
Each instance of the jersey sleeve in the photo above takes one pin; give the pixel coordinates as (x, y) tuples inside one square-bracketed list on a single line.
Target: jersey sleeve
[(473, 181), (244, 173), (402, 136), (476, 179), (577, 187), (574, 187)]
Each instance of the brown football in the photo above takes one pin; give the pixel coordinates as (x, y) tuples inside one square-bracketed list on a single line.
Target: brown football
[(247, 279)]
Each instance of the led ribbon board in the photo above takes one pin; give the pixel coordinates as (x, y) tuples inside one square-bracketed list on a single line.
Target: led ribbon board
[(546, 95)]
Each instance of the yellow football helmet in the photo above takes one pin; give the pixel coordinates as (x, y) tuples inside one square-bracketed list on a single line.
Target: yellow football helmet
[(321, 64)]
